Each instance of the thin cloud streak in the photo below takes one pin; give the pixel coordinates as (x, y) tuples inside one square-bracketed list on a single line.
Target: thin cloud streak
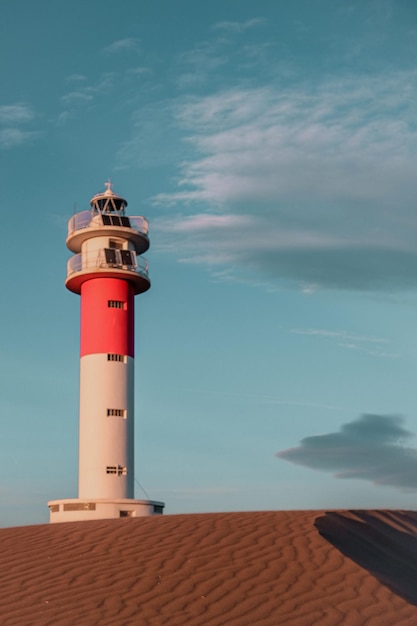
[(204, 221), (84, 95), (128, 44), (12, 117), (369, 448), (16, 113), (349, 341), (239, 27), (266, 398), (13, 137), (338, 334)]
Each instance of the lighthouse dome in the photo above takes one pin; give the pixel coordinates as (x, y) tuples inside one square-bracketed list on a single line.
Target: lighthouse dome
[(108, 202)]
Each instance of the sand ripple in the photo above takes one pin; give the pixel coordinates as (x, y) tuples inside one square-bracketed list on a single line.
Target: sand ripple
[(298, 568)]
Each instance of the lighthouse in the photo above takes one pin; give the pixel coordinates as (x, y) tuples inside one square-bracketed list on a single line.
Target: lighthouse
[(107, 271)]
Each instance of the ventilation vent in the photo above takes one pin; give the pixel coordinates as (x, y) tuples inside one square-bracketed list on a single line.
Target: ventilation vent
[(54, 508), (115, 304), (116, 412), (158, 509), (80, 506), (116, 357)]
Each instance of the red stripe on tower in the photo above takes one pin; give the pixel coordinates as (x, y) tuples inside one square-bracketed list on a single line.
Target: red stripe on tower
[(107, 317)]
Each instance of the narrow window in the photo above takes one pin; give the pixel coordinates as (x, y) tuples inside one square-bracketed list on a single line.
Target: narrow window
[(116, 412), (158, 509), (116, 357), (116, 304), (120, 470), (116, 244)]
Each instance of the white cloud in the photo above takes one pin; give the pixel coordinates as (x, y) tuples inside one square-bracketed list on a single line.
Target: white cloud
[(128, 44), (76, 78), (326, 173), (239, 27), (77, 97), (11, 119), (15, 113), (13, 137), (203, 221)]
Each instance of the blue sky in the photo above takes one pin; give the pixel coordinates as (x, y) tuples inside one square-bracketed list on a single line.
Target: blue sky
[(272, 146)]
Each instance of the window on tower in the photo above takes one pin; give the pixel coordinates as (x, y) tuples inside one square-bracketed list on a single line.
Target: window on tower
[(116, 304), (116, 357), (116, 412), (115, 257), (120, 470), (116, 244)]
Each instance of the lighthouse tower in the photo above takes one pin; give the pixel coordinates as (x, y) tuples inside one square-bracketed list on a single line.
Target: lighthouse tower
[(107, 271)]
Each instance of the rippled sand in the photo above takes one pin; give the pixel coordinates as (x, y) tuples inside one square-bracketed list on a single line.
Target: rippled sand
[(227, 569)]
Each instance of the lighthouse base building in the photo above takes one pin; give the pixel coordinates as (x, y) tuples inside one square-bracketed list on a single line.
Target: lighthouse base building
[(107, 271), (78, 509)]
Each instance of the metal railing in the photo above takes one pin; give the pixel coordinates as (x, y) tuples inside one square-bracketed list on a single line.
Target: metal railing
[(86, 219), (97, 260)]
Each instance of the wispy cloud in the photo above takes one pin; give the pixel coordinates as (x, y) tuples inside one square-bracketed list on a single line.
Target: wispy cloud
[(16, 113), (368, 448), (239, 27), (76, 78), (129, 44), (195, 223), (319, 170), (339, 334), (266, 399), (13, 137), (139, 71), (200, 63), (374, 346), (83, 94), (77, 97), (12, 118)]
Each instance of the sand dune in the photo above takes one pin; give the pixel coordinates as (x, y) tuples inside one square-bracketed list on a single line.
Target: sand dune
[(228, 569)]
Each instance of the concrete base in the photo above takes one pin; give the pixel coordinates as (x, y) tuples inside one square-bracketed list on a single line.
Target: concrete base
[(77, 509)]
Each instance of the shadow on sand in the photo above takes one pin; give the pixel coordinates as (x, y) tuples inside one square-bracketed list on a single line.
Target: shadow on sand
[(382, 542)]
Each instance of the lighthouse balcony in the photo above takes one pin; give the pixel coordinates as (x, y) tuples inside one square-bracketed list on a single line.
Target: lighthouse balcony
[(108, 263), (86, 224)]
